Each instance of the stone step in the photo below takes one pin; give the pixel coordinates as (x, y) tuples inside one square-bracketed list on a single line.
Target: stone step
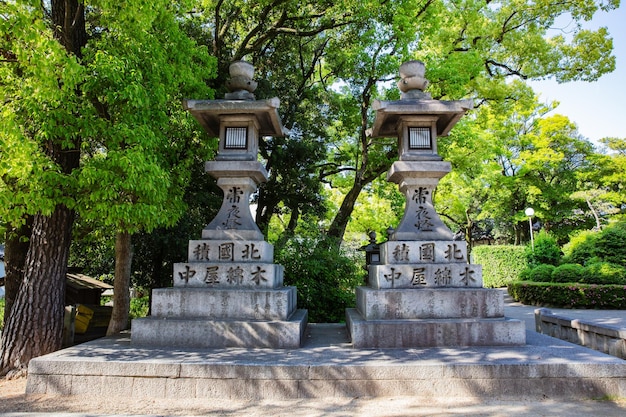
[(219, 303), (225, 333), (328, 366), (429, 303), (397, 334)]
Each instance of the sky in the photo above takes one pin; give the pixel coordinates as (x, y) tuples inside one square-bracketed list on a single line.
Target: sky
[(598, 108)]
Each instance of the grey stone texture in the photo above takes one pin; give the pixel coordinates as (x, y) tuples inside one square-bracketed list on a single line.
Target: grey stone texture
[(202, 333), (327, 366), (423, 251), (230, 251), (422, 275), (601, 337), (229, 293), (448, 303), (214, 303), (234, 220), (424, 293), (417, 182), (228, 275)]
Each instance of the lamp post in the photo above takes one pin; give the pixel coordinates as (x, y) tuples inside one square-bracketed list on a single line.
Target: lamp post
[(530, 213)]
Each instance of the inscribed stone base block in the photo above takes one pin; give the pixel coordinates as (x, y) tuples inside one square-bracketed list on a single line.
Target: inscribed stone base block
[(428, 303), (433, 332), (232, 275), (422, 251), (420, 276), (203, 333), (215, 303), (230, 251)]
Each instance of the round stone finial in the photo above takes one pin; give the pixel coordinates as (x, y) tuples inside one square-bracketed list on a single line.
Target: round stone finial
[(412, 76), (241, 83)]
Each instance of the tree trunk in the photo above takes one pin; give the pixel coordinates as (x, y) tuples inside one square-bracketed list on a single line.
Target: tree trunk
[(595, 214), (338, 227), (121, 283), (35, 324), (468, 234), (17, 242)]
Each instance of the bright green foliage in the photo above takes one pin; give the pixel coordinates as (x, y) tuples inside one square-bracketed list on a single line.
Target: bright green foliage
[(610, 245), (604, 273), (567, 273), (546, 250), (502, 264), (325, 278), (120, 101), (605, 246), (139, 307), (540, 273), (510, 157), (581, 247), (569, 296), (328, 61)]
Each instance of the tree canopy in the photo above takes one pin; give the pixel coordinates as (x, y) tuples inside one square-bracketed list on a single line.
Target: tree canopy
[(92, 124)]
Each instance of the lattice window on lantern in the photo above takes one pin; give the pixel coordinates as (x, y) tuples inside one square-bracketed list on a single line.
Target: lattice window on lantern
[(236, 138), (419, 138)]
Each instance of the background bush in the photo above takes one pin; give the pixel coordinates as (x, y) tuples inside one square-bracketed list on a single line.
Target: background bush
[(608, 245), (604, 273), (546, 251), (325, 278), (568, 273), (502, 264), (540, 273), (580, 248), (568, 295), (1, 313)]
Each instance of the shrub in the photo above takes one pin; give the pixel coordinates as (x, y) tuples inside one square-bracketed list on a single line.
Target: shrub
[(501, 263), (546, 251), (1, 313), (325, 277), (607, 246), (581, 247), (569, 295), (568, 273), (540, 273), (139, 307), (611, 245), (604, 273)]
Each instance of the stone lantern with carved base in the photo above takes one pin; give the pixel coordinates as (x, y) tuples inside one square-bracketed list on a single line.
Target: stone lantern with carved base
[(229, 293), (424, 293)]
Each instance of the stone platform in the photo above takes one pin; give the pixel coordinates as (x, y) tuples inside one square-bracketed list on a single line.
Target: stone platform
[(328, 366)]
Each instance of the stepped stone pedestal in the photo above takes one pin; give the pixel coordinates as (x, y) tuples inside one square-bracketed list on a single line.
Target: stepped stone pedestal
[(229, 293), (424, 292)]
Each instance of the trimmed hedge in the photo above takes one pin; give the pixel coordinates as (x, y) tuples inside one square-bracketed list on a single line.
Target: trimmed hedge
[(502, 264), (540, 273), (568, 273), (611, 297)]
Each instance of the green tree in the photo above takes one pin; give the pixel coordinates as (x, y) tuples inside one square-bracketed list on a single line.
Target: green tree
[(472, 49), (97, 115)]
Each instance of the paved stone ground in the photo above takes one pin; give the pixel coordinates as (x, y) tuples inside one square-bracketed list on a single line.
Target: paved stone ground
[(14, 403)]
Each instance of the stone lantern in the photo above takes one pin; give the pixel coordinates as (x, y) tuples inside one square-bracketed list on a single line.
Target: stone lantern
[(424, 292), (239, 121), (229, 293)]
